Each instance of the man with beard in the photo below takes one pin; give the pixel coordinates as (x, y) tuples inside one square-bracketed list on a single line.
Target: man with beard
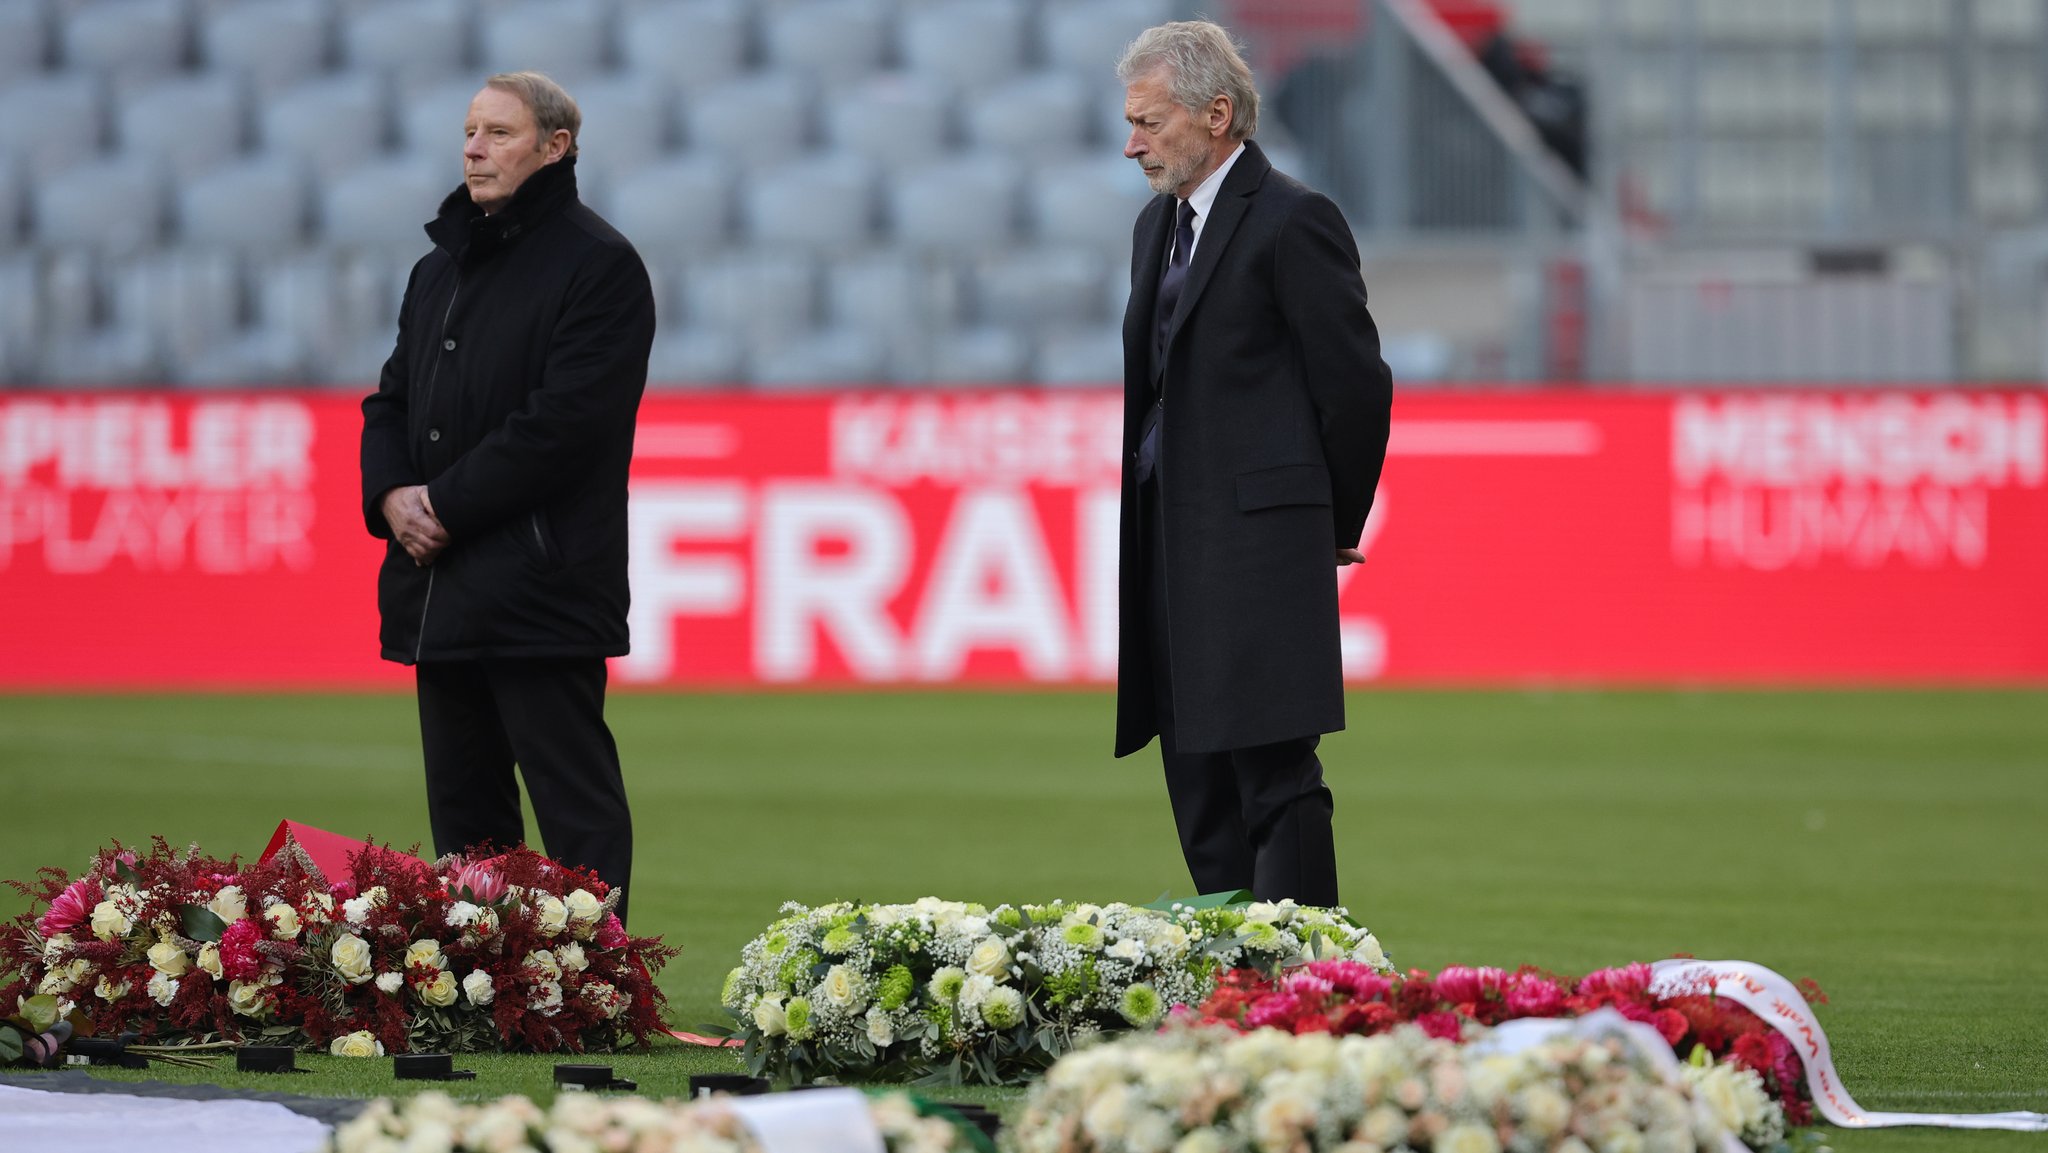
[(1255, 425)]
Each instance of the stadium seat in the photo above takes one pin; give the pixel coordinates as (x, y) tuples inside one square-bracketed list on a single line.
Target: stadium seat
[(984, 354), (901, 299), (330, 124), (841, 355), (689, 44), (750, 294), (1040, 114), (430, 118), (10, 208), (271, 44), (1034, 287), (52, 123), (679, 206), (258, 205), (20, 326), (1085, 37), (85, 337), (110, 206), (966, 43), (695, 357), (833, 40), (625, 124), (125, 39), (1084, 357), (24, 37), (567, 39), (382, 207), (1092, 201), (409, 41), (891, 118), (184, 301), (184, 125), (821, 202), (760, 118), (963, 203)]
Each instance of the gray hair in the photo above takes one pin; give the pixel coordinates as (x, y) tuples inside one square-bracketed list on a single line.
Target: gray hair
[(1202, 62), (552, 107)]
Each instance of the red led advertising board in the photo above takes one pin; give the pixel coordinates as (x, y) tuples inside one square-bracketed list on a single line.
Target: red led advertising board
[(162, 540)]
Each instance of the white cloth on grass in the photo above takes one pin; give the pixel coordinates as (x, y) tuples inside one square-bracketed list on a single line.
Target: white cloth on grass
[(91, 1122)]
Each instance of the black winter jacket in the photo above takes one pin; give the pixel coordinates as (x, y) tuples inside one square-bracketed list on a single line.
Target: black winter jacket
[(521, 358)]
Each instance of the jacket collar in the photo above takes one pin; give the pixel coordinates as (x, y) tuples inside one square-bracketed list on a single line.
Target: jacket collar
[(465, 232)]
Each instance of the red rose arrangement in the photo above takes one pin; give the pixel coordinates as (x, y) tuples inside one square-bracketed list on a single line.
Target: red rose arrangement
[(514, 951), (1346, 997)]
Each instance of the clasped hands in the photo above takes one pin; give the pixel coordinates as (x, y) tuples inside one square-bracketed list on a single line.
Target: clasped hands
[(413, 523)]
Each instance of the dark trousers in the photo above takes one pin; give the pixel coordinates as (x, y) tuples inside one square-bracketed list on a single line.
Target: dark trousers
[(1255, 818), (479, 718)]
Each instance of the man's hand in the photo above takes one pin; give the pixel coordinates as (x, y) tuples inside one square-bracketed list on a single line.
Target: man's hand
[(1347, 556), (413, 523)]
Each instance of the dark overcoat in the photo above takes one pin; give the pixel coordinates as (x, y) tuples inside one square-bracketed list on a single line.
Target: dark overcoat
[(1274, 430), (512, 393)]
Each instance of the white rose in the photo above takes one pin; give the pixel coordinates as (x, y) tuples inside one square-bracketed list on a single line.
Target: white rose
[(320, 909), (553, 915), (109, 923), (1265, 911), (544, 960), (769, 1016), (54, 946), (1468, 1138), (229, 904), (246, 998), (843, 990), (486, 922), (584, 910), (109, 990), (1129, 949), (991, 958), (426, 953), (881, 1030), (547, 998), (478, 988), (284, 921), (361, 1043), (169, 959), (209, 960), (390, 982), (163, 988), (440, 992), (572, 958), (55, 983), (462, 914), (1368, 952), (351, 957)]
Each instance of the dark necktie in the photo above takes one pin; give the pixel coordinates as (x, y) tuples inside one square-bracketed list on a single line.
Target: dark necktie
[(1176, 270), (1169, 296)]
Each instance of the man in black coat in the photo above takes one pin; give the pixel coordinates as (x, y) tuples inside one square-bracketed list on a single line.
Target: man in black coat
[(1255, 425), (494, 459)]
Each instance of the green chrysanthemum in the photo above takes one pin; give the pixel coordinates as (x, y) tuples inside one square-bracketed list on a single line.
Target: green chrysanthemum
[(1071, 985), (1266, 938), (941, 1018), (1004, 1008), (840, 941), (895, 988), (795, 972), (798, 1014), (1010, 917), (776, 943), (1141, 1005), (729, 995), (1083, 935), (946, 983)]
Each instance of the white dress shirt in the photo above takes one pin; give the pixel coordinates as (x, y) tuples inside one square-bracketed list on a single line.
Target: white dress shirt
[(1203, 198)]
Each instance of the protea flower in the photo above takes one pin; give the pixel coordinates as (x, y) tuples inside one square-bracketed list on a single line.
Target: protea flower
[(476, 882)]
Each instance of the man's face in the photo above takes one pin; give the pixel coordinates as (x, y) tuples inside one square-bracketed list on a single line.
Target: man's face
[(1167, 141), (502, 147)]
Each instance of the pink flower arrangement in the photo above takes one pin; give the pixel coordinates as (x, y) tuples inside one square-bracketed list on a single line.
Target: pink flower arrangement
[(1345, 997)]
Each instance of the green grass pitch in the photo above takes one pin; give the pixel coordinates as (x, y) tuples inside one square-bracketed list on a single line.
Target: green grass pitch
[(1891, 845)]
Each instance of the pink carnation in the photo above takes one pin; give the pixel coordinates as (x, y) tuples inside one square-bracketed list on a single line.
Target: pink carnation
[(72, 908), (238, 958), (1443, 1026), (1532, 996)]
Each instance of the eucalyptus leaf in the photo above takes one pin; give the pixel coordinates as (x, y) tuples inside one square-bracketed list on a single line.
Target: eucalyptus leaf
[(201, 923), (41, 1011), (10, 1044)]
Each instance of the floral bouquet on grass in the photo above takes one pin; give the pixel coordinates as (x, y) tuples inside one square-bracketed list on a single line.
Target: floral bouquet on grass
[(962, 992), (1344, 998), (1194, 1090), (433, 1122), (513, 952)]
